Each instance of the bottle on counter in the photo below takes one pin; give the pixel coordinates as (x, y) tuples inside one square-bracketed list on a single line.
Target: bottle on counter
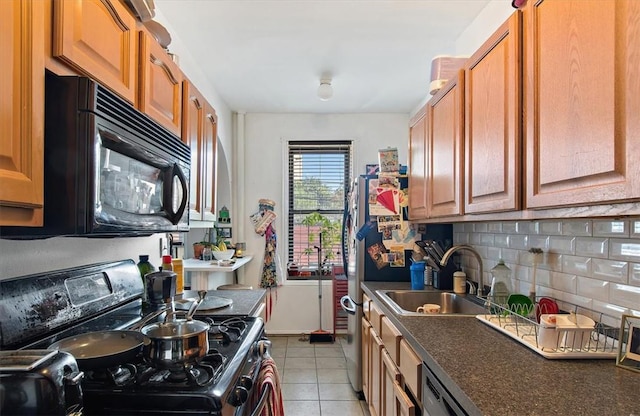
[(500, 283), (167, 264), (459, 282), (145, 267), (178, 269)]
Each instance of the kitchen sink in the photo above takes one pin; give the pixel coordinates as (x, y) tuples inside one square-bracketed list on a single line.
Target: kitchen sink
[(405, 302)]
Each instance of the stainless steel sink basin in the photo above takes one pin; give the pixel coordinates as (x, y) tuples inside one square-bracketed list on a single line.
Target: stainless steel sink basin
[(405, 302)]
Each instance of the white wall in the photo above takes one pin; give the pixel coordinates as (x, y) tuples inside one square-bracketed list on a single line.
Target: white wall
[(266, 138)]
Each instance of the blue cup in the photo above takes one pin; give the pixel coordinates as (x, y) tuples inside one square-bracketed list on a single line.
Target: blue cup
[(417, 275)]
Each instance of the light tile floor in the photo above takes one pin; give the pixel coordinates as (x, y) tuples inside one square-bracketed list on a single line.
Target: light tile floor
[(314, 378)]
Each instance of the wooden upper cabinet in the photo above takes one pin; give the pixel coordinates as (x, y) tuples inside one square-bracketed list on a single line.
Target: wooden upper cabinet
[(418, 166), (97, 37), (22, 109), (160, 85), (445, 112), (492, 115), (210, 160), (192, 135), (581, 101)]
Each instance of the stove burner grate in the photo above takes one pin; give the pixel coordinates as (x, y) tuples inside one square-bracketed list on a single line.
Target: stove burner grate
[(227, 331)]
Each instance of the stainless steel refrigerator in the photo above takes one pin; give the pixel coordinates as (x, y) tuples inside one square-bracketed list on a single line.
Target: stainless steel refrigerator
[(360, 232)]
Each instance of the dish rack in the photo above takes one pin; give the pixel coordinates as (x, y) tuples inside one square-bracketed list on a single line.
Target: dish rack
[(599, 341)]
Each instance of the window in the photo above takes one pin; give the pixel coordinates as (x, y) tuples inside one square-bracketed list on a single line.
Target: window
[(318, 182)]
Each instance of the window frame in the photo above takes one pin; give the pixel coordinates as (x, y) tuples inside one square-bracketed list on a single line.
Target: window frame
[(348, 147)]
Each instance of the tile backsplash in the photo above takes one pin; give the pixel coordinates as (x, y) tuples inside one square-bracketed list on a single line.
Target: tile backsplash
[(594, 263)]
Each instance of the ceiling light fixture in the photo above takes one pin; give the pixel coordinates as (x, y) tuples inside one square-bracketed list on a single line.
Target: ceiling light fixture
[(325, 90)]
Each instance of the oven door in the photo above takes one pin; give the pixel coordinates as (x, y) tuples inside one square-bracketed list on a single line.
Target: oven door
[(138, 188)]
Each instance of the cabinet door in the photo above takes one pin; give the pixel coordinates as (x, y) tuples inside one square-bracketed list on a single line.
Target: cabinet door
[(22, 97), (403, 404), (192, 135), (444, 141), (390, 377), (492, 122), (391, 337), (366, 358), (97, 37), (581, 101), (160, 85), (411, 369), (375, 376), (418, 166), (209, 153)]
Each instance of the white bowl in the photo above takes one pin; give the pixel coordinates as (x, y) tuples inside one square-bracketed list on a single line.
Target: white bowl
[(223, 255)]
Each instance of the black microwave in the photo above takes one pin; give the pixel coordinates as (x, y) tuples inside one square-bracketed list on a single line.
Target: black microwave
[(110, 170)]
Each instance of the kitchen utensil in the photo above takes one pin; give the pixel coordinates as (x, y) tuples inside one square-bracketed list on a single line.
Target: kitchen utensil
[(429, 308), (432, 263), (223, 254), (160, 286), (546, 306), (548, 337), (176, 343), (103, 349), (209, 303), (520, 304)]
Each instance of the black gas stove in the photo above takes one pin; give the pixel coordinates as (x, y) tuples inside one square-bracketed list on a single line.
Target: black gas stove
[(103, 297)]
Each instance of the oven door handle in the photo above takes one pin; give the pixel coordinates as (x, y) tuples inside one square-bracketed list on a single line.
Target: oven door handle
[(266, 391)]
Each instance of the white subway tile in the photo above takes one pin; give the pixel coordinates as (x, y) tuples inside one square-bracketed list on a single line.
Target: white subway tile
[(494, 227), (539, 241), (525, 227), (634, 274), (518, 241), (551, 261), (593, 288), (494, 253), (458, 227), (543, 277), (487, 239), (624, 249), (475, 239), (550, 227), (564, 282), (480, 227), (468, 227), (574, 299), (610, 270), (635, 228), (576, 227), (613, 313), (564, 245), (625, 295), (510, 255), (461, 238), (501, 240), (576, 265), (592, 246), (509, 227), (610, 228)]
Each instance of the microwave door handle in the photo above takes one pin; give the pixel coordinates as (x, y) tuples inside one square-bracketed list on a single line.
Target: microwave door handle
[(174, 217)]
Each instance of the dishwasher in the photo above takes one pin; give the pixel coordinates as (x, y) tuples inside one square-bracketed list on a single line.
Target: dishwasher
[(436, 400)]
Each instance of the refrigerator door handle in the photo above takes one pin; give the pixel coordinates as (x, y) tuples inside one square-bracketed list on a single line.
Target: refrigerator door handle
[(348, 304)]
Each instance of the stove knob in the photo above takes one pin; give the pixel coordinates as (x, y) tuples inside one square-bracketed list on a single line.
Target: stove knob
[(238, 396), (264, 348), (246, 382)]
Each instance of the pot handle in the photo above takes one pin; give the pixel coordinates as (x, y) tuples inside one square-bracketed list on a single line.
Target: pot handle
[(195, 304)]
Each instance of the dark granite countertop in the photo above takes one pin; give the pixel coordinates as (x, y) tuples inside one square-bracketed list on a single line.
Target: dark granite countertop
[(488, 373), (245, 302)]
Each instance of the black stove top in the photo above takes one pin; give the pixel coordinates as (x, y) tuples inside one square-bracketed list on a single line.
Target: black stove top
[(107, 296)]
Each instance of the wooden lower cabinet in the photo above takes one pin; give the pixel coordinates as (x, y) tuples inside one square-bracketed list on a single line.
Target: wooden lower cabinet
[(411, 369), (390, 377), (366, 358), (375, 401), (22, 97)]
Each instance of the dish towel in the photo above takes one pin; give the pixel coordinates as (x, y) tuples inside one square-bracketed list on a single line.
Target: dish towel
[(268, 376)]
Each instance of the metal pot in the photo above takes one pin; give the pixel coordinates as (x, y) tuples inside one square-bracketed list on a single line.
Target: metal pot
[(103, 349), (160, 286), (177, 342)]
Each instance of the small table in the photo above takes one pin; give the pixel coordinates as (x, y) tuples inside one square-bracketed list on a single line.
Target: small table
[(200, 270)]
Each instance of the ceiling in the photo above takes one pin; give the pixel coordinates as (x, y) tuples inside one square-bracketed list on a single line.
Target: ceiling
[(269, 55)]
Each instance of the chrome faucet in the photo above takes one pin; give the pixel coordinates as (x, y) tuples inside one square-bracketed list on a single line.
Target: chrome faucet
[(448, 253)]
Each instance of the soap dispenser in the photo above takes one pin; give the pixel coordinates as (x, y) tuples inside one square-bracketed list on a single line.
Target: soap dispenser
[(500, 283)]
